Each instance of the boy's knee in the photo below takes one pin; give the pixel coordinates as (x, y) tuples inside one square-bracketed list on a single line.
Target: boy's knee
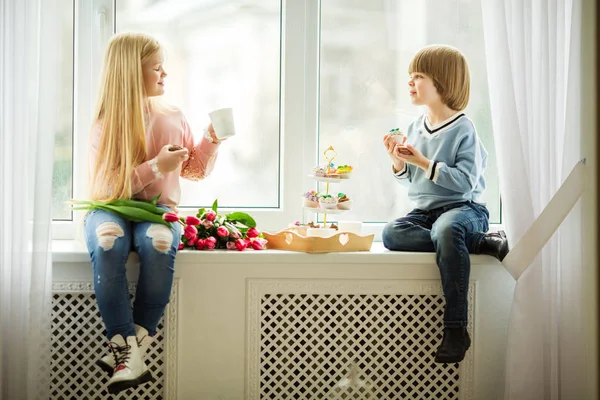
[(161, 236), (388, 234), (107, 233), (446, 233)]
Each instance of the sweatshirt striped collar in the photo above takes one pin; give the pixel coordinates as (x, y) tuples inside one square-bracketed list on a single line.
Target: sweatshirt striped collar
[(442, 125)]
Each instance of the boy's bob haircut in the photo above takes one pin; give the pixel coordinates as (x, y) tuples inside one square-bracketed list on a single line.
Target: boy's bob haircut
[(450, 73)]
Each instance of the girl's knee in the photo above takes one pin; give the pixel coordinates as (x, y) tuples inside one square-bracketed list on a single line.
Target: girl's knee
[(108, 233), (161, 238)]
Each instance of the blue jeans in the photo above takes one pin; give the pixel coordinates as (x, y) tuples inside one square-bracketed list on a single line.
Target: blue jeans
[(110, 239), (452, 232)]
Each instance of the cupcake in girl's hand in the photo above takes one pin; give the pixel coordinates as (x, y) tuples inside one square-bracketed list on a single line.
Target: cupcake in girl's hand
[(310, 199), (328, 201), (344, 203)]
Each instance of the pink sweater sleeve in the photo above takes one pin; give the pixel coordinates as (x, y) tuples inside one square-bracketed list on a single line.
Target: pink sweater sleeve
[(202, 156), (142, 174)]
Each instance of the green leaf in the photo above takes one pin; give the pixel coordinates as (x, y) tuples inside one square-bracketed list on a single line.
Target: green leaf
[(155, 200), (137, 214), (150, 207), (243, 218), (201, 213), (73, 208), (144, 205), (118, 214), (215, 205)]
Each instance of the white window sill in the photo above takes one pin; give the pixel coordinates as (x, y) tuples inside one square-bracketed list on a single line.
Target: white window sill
[(72, 251)]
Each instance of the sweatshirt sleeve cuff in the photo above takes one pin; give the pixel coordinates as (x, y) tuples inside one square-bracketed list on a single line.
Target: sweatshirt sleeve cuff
[(153, 164), (403, 173), (207, 148), (432, 172)]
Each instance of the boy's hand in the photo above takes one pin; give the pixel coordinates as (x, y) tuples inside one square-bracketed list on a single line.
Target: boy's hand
[(409, 154), (390, 145)]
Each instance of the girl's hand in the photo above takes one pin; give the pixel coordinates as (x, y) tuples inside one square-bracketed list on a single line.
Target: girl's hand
[(168, 161), (409, 154), (390, 145), (213, 135), (211, 132)]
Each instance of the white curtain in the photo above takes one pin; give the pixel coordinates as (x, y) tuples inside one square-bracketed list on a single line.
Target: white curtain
[(533, 59), (28, 90)]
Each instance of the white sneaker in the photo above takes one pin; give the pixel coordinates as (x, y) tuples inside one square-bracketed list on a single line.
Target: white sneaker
[(130, 369), (107, 363)]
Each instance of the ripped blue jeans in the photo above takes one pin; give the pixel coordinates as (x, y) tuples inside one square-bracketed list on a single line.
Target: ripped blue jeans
[(110, 239), (452, 232)]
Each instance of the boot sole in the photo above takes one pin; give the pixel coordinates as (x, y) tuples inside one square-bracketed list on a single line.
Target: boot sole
[(105, 367), (449, 360), (124, 385)]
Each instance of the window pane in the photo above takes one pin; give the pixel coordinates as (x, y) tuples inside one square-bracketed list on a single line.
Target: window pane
[(366, 46), (62, 182), (222, 54)]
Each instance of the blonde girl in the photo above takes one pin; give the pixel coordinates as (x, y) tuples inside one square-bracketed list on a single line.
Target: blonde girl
[(129, 157)]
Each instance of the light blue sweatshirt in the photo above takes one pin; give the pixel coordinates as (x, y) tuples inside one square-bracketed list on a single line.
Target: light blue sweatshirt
[(457, 163)]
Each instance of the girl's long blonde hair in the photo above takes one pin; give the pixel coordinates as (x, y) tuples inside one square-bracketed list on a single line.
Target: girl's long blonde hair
[(120, 109)]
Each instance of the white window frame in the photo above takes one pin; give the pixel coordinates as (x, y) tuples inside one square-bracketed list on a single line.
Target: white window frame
[(299, 107)]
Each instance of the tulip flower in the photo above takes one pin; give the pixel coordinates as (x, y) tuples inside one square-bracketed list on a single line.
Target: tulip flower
[(181, 246), (240, 244), (192, 241), (222, 231), (192, 220), (170, 217), (252, 233), (257, 245), (210, 216), (190, 231), (230, 246), (207, 224), (210, 242)]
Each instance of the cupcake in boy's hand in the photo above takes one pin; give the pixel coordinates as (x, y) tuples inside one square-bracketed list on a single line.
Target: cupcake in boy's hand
[(344, 202), (400, 138), (328, 201), (310, 199)]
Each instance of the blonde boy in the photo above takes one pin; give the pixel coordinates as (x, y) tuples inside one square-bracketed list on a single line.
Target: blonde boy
[(443, 163)]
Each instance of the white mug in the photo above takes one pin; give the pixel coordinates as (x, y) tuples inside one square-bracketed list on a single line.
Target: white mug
[(222, 122)]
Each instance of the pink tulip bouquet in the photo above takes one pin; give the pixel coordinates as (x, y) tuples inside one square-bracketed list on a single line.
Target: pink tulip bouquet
[(206, 230), (209, 230)]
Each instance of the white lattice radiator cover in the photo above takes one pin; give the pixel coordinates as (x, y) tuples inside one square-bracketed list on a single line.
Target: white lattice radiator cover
[(351, 340), (78, 341)]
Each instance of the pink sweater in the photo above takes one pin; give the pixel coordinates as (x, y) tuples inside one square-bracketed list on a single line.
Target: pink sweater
[(163, 129)]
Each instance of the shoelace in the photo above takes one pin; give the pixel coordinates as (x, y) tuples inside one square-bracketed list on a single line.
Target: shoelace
[(120, 353)]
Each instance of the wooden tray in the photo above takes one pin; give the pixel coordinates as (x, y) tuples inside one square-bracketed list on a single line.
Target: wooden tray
[(340, 242)]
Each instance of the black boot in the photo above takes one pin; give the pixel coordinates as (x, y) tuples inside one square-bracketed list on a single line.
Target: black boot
[(494, 244), (454, 345)]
